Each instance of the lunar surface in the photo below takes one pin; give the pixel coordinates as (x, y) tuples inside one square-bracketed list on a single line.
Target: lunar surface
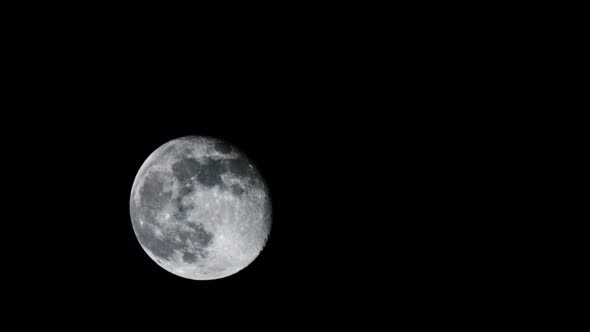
[(200, 209)]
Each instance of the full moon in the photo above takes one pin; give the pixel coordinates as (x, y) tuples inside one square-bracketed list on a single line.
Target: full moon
[(200, 208)]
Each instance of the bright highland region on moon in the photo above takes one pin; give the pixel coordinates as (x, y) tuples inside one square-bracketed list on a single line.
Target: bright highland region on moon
[(200, 209)]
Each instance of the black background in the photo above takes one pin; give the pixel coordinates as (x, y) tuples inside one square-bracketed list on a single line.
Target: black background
[(294, 40), (387, 200)]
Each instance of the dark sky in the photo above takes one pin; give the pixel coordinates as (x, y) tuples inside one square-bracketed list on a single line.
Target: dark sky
[(288, 40), (377, 191)]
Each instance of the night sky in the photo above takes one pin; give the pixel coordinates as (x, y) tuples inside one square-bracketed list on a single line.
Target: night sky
[(385, 198)]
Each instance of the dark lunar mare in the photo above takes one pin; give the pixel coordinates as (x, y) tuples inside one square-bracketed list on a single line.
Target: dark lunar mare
[(241, 167), (189, 257), (222, 147), (182, 210), (185, 168), (210, 173), (193, 257), (199, 235), (187, 189), (152, 194)]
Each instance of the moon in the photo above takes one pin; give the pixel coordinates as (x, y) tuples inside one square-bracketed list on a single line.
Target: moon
[(200, 209)]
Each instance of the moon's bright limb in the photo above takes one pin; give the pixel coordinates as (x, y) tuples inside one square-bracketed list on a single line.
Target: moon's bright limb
[(200, 209)]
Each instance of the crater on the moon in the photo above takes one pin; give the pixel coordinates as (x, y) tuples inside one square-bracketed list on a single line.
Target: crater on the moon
[(200, 209)]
